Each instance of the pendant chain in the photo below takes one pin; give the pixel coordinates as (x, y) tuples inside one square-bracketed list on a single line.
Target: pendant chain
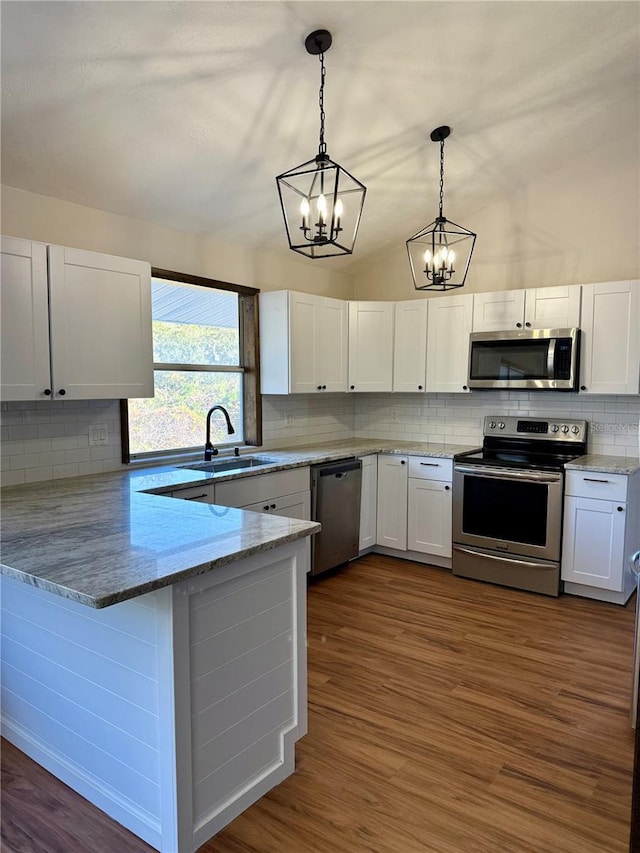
[(322, 149), (441, 174)]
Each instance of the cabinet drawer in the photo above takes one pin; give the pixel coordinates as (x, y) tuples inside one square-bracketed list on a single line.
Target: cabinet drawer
[(594, 484), (430, 468), (249, 490), (204, 494)]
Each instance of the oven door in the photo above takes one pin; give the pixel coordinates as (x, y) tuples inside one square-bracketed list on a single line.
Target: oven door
[(518, 512)]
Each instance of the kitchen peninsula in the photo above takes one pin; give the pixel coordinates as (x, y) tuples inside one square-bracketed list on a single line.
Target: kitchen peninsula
[(153, 649)]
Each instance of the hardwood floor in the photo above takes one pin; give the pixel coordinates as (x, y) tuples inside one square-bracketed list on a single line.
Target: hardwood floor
[(445, 716)]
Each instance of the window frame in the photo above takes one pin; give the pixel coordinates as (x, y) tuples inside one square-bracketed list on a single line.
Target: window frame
[(249, 342)]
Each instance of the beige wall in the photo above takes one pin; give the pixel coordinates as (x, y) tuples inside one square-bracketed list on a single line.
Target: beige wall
[(577, 225), (49, 220)]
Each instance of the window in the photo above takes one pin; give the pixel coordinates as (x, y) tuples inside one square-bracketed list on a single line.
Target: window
[(205, 354)]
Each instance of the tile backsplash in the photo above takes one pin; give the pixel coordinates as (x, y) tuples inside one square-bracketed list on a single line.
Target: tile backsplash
[(50, 439)]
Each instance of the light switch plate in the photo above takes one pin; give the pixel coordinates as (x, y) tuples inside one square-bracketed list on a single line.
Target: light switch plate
[(98, 434)]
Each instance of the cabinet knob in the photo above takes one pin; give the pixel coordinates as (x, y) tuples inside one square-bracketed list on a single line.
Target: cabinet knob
[(419, 387), (464, 388), (324, 387), (352, 387), (402, 462), (319, 387), (266, 507), (61, 392), (273, 506), (518, 325), (620, 509), (583, 387), (446, 488), (528, 325), (47, 392)]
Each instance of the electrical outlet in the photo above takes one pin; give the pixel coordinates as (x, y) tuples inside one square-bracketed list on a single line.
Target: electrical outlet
[(98, 434), (289, 419), (394, 414)]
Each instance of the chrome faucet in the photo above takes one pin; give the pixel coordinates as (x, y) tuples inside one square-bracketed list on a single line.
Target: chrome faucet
[(209, 449)]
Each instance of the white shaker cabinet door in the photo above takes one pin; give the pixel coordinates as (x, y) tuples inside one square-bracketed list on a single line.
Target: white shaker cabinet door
[(100, 310), (498, 311), (448, 329), (429, 520), (332, 353), (410, 347), (371, 346), (392, 502), (368, 502), (593, 542), (303, 308), (26, 373), (552, 307), (610, 346)]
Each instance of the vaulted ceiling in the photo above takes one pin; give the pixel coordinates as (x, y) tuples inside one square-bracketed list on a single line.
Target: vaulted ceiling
[(182, 113)]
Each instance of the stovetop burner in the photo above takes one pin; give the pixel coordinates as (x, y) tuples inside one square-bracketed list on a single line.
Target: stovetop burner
[(531, 443)]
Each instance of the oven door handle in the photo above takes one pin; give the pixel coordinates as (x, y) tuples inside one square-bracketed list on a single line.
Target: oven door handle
[(508, 474), (513, 559)]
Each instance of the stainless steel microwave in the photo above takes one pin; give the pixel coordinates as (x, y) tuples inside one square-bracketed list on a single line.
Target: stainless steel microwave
[(532, 360)]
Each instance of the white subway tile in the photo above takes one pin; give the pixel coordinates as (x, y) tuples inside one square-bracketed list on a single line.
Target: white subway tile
[(12, 478), (38, 475), (60, 471)]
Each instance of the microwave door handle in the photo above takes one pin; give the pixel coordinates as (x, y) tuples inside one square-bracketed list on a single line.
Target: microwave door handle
[(551, 359)]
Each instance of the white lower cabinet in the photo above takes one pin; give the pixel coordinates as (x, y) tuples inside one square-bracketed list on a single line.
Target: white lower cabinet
[(368, 502), (297, 505), (429, 506), (391, 514), (601, 514)]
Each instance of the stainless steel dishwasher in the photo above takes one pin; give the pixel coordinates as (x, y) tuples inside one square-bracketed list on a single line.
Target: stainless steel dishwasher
[(335, 503)]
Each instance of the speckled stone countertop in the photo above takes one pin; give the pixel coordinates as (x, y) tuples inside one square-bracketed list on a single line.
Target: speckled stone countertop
[(604, 464), (102, 539)]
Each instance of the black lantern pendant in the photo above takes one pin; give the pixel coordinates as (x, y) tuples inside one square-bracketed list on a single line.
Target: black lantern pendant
[(440, 254), (321, 202)]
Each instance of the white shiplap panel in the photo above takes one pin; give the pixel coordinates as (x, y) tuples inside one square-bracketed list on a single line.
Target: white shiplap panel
[(113, 675), (215, 719), (240, 605), (216, 753), (106, 641), (109, 736), (240, 639), (251, 764), (96, 699), (137, 618), (208, 593), (87, 757), (237, 673)]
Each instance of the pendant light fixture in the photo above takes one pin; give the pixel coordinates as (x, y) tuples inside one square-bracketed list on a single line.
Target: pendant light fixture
[(440, 254), (321, 202)]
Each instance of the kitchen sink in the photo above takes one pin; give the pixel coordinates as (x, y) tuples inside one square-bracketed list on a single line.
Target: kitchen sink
[(218, 465)]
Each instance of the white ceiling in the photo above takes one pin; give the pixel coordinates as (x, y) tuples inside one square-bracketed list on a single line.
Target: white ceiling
[(182, 113)]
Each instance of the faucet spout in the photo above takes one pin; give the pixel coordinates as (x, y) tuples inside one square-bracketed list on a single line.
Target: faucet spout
[(209, 449)]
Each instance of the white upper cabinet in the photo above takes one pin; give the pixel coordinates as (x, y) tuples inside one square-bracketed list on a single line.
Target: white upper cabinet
[(448, 328), (410, 349), (610, 345), (303, 343), (535, 308), (371, 346), (26, 372), (79, 329)]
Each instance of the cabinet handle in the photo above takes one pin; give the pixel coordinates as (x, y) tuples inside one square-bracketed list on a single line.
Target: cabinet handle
[(61, 392), (593, 480), (519, 325), (197, 497), (47, 392), (620, 509), (431, 464)]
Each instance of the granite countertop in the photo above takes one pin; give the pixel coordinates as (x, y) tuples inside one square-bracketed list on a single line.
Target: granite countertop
[(604, 464), (103, 539)]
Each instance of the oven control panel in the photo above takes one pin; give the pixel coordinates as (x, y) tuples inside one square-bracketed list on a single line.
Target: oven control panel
[(513, 427)]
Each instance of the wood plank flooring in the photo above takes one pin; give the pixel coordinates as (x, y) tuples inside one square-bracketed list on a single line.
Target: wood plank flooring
[(445, 716)]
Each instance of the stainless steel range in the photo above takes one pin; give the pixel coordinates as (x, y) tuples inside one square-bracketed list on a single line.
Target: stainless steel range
[(507, 502)]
